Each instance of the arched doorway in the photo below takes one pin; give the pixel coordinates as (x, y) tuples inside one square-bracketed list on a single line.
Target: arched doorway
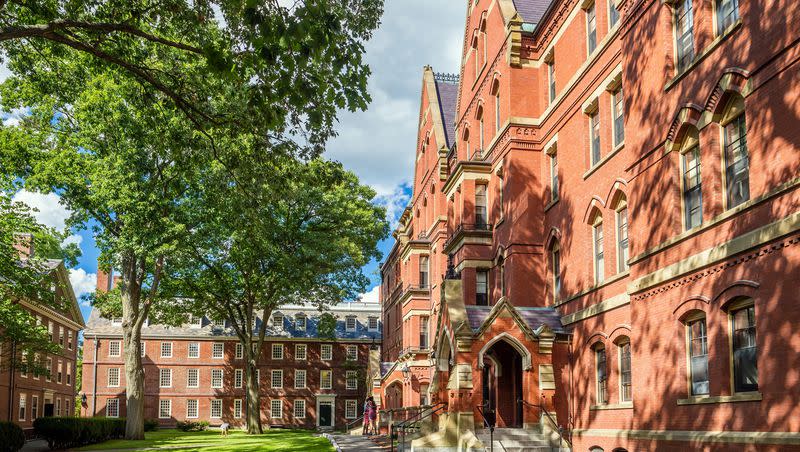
[(394, 396), (502, 384)]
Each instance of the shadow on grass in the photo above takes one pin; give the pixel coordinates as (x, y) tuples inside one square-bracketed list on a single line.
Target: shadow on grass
[(273, 440)]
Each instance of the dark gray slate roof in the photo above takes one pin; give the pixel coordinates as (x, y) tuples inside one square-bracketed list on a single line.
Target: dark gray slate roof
[(447, 91), (531, 11), (98, 325), (534, 317), (385, 366)]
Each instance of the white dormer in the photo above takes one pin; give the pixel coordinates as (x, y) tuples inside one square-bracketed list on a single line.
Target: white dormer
[(300, 322), (195, 321), (277, 320), (372, 323), (350, 323)]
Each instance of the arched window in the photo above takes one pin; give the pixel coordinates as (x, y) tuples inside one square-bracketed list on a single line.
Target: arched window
[(555, 262), (596, 449), (697, 335), (745, 358), (625, 386), (737, 159), (465, 137), (496, 91), (597, 245), (619, 449), (480, 131), (601, 372), (691, 179), (622, 233)]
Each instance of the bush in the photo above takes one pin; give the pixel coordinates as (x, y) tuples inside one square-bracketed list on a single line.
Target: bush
[(151, 425), (12, 438), (192, 426), (66, 432)]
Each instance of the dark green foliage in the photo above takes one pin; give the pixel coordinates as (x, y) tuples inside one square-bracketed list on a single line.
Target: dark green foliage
[(150, 425), (11, 437), (66, 432), (327, 326), (192, 426)]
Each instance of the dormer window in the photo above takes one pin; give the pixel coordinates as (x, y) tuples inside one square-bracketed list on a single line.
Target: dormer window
[(373, 323), (350, 323), (116, 321), (300, 323), (195, 321), (277, 321)]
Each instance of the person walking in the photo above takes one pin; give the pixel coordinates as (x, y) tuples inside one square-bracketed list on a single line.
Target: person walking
[(373, 414), (367, 407)]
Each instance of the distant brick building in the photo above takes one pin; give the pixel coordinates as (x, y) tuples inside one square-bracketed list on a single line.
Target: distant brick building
[(196, 371), (25, 396), (605, 222)]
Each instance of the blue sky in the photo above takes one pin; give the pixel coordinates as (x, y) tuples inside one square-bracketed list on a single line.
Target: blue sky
[(378, 144)]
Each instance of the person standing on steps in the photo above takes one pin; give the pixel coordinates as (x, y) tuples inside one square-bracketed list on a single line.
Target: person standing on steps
[(365, 430), (373, 414)]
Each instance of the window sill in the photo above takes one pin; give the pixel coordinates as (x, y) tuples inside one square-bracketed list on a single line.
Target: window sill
[(608, 281), (702, 56), (612, 406), (740, 397), (603, 160), (551, 204)]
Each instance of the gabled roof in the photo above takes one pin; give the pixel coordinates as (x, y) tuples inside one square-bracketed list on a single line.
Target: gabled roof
[(534, 318), (70, 311), (447, 92), (532, 11)]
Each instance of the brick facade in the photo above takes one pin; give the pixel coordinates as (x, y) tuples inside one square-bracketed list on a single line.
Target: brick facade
[(568, 189), (202, 383)]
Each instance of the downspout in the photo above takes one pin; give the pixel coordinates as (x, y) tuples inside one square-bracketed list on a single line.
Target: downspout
[(94, 371), (11, 381)]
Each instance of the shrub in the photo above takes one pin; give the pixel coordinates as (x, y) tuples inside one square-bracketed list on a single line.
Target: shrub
[(151, 425), (12, 438), (66, 432), (192, 426)]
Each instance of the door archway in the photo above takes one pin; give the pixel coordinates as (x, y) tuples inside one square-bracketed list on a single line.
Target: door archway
[(502, 384)]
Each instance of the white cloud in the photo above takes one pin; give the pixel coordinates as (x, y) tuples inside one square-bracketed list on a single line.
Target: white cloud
[(47, 208), (82, 283), (371, 296), (14, 117), (379, 144), (395, 203)]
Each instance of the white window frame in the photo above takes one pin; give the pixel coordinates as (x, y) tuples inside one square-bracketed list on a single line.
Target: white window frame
[(215, 410), (297, 323), (279, 373), (350, 409), (111, 378), (218, 347), (162, 405), (193, 350), (142, 349), (217, 377), (114, 349), (297, 355), (370, 320), (279, 349), (164, 374), (300, 382), (166, 346), (112, 403), (323, 383), (299, 406), (351, 377), (323, 353), (273, 405), (196, 373), (192, 409), (347, 320), (239, 351), (237, 408), (238, 378), (352, 352)]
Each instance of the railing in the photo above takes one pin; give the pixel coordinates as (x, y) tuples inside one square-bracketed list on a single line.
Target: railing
[(463, 228), (549, 417), (358, 421), (417, 287), (412, 424), (488, 422)]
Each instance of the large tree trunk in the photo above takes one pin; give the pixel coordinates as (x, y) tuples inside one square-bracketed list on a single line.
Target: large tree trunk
[(253, 396), (130, 294)]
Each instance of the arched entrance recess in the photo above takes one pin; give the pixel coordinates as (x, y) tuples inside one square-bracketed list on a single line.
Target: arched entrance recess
[(502, 383), (394, 395)]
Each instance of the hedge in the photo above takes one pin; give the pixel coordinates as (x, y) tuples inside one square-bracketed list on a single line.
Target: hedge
[(192, 426), (12, 438), (66, 432), (151, 425)]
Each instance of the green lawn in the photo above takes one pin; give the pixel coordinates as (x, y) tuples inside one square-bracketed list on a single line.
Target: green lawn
[(211, 441)]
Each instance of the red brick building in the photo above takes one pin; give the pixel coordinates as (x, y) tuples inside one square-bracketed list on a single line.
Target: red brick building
[(196, 371), (25, 396), (605, 224)]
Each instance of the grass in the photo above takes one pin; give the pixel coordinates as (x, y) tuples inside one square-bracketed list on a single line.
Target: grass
[(211, 441)]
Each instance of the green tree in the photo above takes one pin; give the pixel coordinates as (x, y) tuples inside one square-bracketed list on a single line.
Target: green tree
[(300, 232)]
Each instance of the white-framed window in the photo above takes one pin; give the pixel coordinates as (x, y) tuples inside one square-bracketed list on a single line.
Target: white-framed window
[(300, 352), (276, 379), (553, 176), (50, 329), (192, 411), (35, 407), (601, 368), (112, 407), (326, 352), (481, 207), (277, 321), (299, 378), (165, 378), (164, 408), (58, 406), (216, 378), (372, 322), (618, 115), (36, 359), (60, 373), (692, 187), (276, 409), (300, 323), (194, 350), (114, 349), (277, 351), (239, 351), (49, 367), (622, 238), (142, 349), (216, 408), (613, 13), (481, 287), (238, 378), (551, 79), (350, 323), (594, 136), (237, 408), (625, 382), (326, 379), (352, 352), (61, 335), (69, 339), (352, 379), (193, 378), (113, 377), (684, 33), (299, 409), (69, 373), (23, 372), (195, 321), (166, 349), (116, 321), (350, 409), (23, 400), (591, 28), (218, 350), (599, 255), (424, 322)]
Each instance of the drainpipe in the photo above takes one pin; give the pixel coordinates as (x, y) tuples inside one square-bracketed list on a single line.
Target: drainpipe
[(94, 370), (12, 380)]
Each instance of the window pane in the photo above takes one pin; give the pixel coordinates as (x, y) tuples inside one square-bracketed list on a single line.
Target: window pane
[(594, 120), (745, 358), (737, 162), (591, 28), (622, 237), (692, 186), (727, 14), (698, 357), (684, 29)]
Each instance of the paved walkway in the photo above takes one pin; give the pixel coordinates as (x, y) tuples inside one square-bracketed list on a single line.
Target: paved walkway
[(36, 445), (351, 443)]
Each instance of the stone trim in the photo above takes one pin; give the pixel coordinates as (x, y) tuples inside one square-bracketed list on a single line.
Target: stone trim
[(603, 160), (744, 242), (607, 282), (740, 397), (612, 406), (598, 308), (697, 436)]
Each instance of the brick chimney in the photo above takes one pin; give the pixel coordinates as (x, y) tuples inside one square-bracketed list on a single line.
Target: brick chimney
[(104, 281), (23, 243)]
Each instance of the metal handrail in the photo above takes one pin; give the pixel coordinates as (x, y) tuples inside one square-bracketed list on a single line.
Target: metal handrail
[(401, 427), (547, 413), (487, 424), (468, 227), (355, 421)]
